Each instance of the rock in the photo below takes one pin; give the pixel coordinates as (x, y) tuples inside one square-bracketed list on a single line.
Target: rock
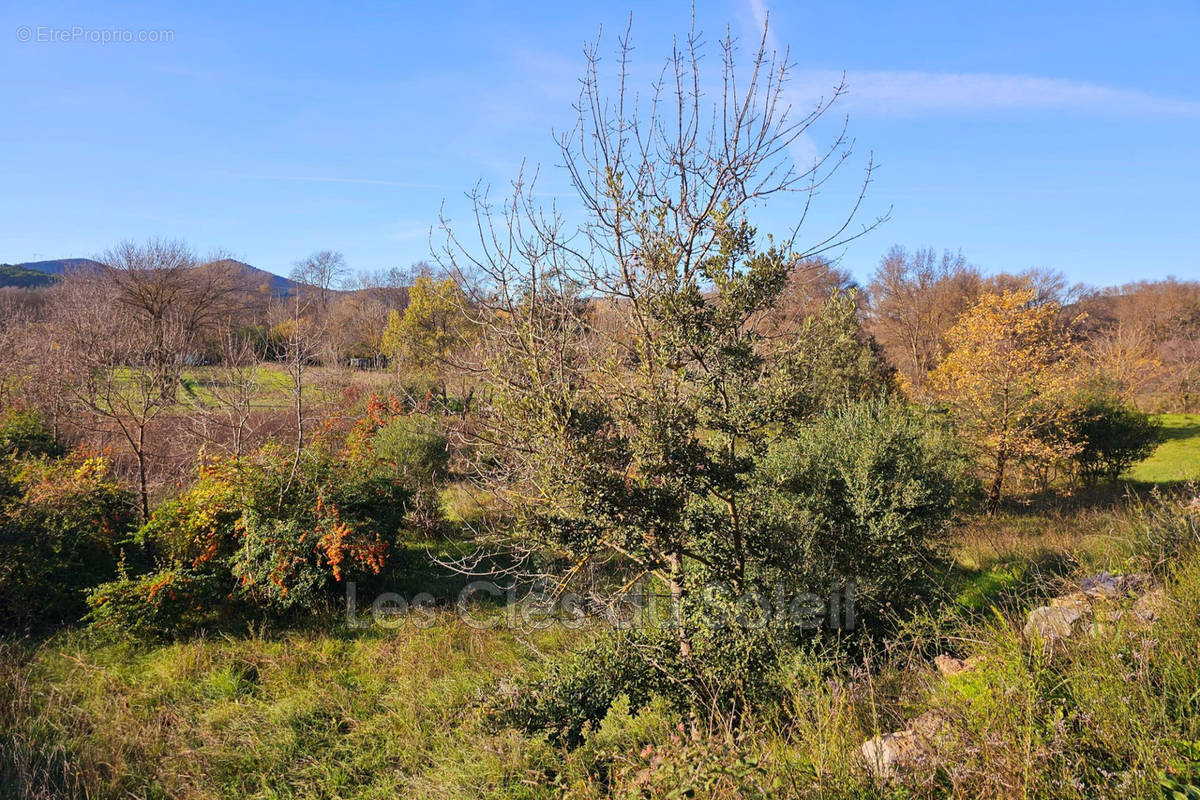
[(951, 666), (1149, 606), (930, 725), (1106, 586), (886, 755), (1100, 603), (1078, 600), (1054, 624), (1103, 585)]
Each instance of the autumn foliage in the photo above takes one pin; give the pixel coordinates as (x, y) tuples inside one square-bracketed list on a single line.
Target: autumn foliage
[(256, 533), (1006, 380)]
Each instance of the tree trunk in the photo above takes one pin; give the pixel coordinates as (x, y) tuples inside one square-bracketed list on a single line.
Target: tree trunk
[(143, 492), (997, 484), (675, 586)]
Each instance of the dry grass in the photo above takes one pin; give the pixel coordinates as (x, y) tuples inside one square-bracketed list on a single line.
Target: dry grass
[(374, 714)]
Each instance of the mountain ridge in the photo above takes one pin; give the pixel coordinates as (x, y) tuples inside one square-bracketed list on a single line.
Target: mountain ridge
[(59, 266)]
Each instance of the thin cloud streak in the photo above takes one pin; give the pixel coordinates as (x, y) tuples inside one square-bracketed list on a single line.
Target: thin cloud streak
[(896, 93), (802, 149), (380, 182)]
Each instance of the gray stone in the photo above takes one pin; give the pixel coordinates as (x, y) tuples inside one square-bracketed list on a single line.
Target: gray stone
[(1054, 624)]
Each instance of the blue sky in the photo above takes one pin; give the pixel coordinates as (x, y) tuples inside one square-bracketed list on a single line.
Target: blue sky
[(1063, 135)]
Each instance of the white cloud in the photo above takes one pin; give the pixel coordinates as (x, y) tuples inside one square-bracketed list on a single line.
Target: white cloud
[(893, 92)]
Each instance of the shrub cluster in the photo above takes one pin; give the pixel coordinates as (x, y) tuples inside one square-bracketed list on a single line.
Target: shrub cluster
[(63, 519), (274, 532), (864, 494), (1107, 436)]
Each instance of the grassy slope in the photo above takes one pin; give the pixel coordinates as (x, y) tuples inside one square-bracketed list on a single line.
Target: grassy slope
[(1178, 457), (398, 713), (323, 714)]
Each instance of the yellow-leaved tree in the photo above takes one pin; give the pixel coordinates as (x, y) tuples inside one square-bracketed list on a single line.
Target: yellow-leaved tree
[(423, 340), (1006, 381)]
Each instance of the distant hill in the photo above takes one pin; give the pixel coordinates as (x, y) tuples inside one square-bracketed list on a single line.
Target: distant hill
[(276, 283), (273, 283), (60, 266), (24, 278)]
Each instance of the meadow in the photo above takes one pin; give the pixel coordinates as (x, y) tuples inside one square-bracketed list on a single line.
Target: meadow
[(1178, 457), (327, 710)]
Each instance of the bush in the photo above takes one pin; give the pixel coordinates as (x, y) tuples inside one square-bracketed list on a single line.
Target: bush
[(415, 446), (865, 494), (24, 434), (733, 668), (1108, 437), (158, 605), (62, 523), (579, 688), (264, 533), (650, 752)]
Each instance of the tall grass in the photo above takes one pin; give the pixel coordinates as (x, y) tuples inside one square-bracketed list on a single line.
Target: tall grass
[(374, 714)]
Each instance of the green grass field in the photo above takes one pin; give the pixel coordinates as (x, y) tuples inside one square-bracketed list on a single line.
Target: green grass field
[(1178, 457), (332, 712)]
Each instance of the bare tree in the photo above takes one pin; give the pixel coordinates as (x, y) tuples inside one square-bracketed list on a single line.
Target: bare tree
[(301, 342), (225, 417), (1154, 323), (321, 273), (389, 287), (18, 343), (915, 299), (166, 288), (115, 366)]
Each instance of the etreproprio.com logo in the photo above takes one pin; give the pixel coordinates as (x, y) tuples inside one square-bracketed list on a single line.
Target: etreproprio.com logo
[(49, 34)]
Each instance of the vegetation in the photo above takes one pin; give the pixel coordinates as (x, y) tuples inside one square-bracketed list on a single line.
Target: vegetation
[(660, 505), (62, 525), (410, 710), (23, 277), (1178, 457), (1107, 437), (1005, 378)]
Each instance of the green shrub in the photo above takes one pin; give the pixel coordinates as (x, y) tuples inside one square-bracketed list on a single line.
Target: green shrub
[(265, 533), (24, 433), (733, 668), (416, 446), (650, 752), (1108, 436), (62, 522), (865, 494), (580, 687), (158, 605)]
